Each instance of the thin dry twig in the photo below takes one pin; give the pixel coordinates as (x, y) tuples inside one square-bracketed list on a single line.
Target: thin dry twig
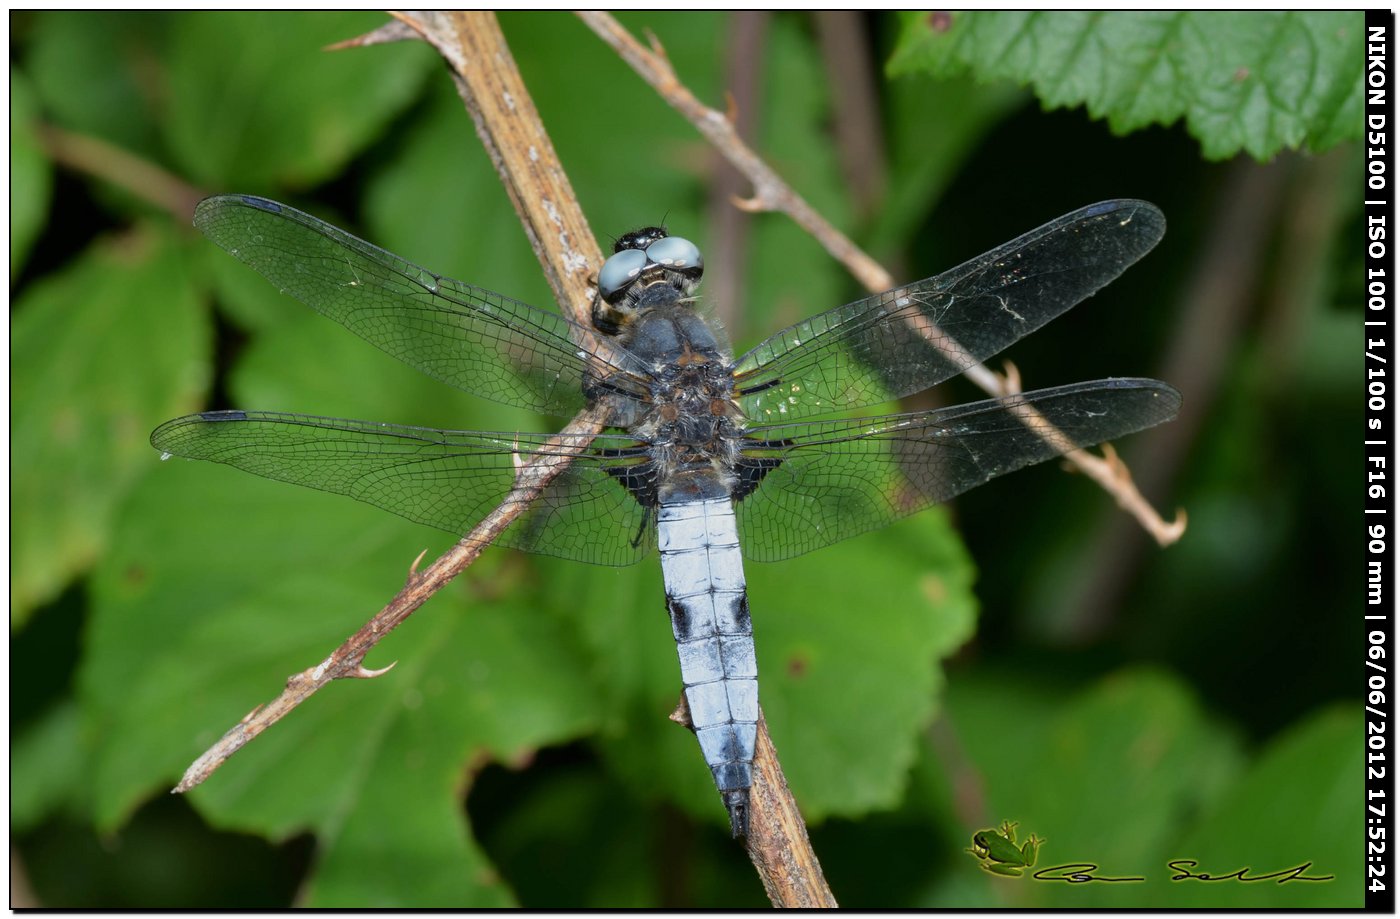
[(778, 843), (140, 176), (771, 193)]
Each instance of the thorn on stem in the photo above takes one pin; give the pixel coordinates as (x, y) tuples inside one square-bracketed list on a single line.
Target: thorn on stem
[(1174, 530), (1115, 464), (364, 673), (391, 31), (731, 109), (413, 568), (1010, 379), (681, 715), (754, 205), (657, 48)]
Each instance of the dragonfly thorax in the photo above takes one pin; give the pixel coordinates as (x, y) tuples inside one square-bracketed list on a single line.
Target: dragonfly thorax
[(693, 424), (691, 420)]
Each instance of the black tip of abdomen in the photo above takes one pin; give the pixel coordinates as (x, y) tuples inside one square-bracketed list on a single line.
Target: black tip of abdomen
[(737, 803)]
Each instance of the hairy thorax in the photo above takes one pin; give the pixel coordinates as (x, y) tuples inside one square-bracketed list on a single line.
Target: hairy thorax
[(691, 421)]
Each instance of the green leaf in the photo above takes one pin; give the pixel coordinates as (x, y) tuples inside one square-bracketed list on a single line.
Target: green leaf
[(221, 586), (1260, 82), (1298, 803), (851, 642), (46, 768), (102, 352), (92, 70), (31, 177), (261, 103)]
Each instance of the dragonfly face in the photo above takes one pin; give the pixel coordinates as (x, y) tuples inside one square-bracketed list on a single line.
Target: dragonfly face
[(709, 456), (643, 259)]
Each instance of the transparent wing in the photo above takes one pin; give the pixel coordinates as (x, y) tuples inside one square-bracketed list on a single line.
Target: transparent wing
[(445, 479), (471, 338), (910, 338), (816, 483)]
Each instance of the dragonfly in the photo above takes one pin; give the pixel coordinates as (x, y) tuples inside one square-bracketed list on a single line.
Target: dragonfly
[(705, 459)]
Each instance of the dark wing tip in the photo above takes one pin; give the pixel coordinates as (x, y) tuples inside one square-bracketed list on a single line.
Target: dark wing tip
[(1116, 204), (1166, 397), (1146, 219), (1166, 390)]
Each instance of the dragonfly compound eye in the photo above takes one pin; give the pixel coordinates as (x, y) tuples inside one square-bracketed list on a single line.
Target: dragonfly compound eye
[(619, 271), (677, 254)]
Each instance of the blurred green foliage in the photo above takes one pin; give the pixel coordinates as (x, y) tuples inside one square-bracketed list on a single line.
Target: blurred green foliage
[(153, 604)]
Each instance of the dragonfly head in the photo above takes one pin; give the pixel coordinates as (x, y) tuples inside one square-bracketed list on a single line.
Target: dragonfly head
[(642, 259)]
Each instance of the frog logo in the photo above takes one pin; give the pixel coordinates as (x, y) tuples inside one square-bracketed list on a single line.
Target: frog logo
[(997, 851)]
